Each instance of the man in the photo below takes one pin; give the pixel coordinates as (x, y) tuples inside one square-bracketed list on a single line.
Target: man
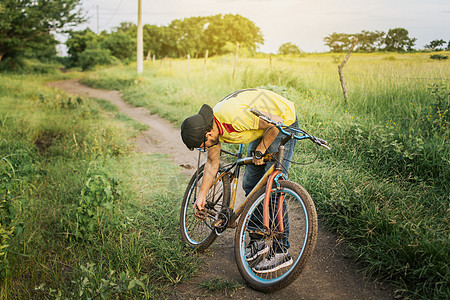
[(232, 122)]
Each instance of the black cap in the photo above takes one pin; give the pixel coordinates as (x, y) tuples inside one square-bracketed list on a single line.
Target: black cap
[(194, 128)]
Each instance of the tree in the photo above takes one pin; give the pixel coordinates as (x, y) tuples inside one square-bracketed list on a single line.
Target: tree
[(96, 56), (369, 41), (289, 48), (189, 34), (397, 39), (121, 45), (128, 28), (79, 41), (231, 28), (153, 39), (28, 24), (436, 45), (338, 42)]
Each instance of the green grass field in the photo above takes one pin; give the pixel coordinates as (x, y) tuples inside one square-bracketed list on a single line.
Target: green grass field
[(82, 215), (384, 185)]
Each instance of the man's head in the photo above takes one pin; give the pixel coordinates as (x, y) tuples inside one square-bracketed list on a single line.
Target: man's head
[(195, 128)]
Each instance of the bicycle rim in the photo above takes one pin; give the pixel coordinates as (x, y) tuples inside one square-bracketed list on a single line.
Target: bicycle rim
[(197, 233), (298, 238)]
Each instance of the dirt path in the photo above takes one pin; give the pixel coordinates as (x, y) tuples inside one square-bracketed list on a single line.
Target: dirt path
[(329, 274)]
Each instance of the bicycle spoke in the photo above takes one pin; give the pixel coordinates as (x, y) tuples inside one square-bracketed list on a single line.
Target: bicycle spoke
[(287, 237), (201, 233)]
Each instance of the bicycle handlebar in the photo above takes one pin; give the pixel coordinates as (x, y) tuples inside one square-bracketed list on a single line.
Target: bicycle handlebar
[(281, 127)]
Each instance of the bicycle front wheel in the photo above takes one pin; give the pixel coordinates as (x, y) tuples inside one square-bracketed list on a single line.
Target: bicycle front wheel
[(196, 233), (283, 249)]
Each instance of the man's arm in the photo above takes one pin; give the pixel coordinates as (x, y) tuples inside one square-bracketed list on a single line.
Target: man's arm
[(269, 137), (209, 173)]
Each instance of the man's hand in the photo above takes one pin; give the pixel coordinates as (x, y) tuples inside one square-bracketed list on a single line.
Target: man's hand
[(258, 162), (199, 208), (200, 203), (210, 171), (258, 155)]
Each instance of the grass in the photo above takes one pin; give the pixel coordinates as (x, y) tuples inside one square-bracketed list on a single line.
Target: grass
[(223, 285), (81, 214), (384, 186)]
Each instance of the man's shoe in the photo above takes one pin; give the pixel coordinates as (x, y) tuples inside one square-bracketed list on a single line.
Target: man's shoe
[(274, 262), (255, 249)]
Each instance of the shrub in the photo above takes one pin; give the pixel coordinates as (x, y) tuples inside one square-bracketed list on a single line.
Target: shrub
[(27, 66), (438, 56), (96, 57)]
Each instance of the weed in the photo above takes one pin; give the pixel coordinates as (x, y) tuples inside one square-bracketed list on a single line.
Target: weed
[(88, 285), (95, 208), (436, 115), (222, 285)]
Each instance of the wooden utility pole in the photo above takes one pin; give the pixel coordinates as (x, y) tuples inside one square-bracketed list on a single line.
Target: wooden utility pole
[(341, 68), (140, 48)]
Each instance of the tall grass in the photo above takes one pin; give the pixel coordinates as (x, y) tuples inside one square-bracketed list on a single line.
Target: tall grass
[(384, 185), (81, 215)]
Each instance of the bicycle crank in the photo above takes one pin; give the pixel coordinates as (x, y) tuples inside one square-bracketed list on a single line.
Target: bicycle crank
[(221, 223)]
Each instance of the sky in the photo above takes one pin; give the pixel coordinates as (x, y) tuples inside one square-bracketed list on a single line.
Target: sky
[(303, 23)]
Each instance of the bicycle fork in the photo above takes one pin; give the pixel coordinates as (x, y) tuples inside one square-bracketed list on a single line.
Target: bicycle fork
[(274, 177)]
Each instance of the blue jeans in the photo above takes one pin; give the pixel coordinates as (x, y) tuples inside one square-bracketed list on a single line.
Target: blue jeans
[(254, 173)]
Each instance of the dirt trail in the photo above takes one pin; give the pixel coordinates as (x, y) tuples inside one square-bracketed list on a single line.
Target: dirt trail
[(329, 274)]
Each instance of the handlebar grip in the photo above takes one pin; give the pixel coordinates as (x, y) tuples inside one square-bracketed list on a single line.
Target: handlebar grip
[(320, 142), (323, 142), (262, 116), (256, 112)]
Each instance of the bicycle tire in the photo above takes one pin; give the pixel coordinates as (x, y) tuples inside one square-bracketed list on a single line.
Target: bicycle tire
[(302, 231), (198, 234)]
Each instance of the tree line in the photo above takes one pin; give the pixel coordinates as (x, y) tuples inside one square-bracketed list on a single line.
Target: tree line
[(28, 27), (395, 40), (218, 34)]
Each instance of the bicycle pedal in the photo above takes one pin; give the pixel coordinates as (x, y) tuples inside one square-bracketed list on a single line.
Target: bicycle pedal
[(200, 214), (218, 224)]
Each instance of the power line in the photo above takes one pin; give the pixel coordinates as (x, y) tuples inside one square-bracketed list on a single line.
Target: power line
[(113, 15)]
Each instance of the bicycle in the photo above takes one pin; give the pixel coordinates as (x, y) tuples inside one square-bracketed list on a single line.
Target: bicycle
[(277, 211)]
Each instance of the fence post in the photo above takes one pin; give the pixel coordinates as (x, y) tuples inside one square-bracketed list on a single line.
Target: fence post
[(236, 57), (341, 68), (148, 55), (188, 59), (154, 58), (270, 60), (206, 59)]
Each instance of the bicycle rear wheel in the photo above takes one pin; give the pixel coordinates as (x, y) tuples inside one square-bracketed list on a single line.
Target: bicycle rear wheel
[(298, 238), (199, 234)]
